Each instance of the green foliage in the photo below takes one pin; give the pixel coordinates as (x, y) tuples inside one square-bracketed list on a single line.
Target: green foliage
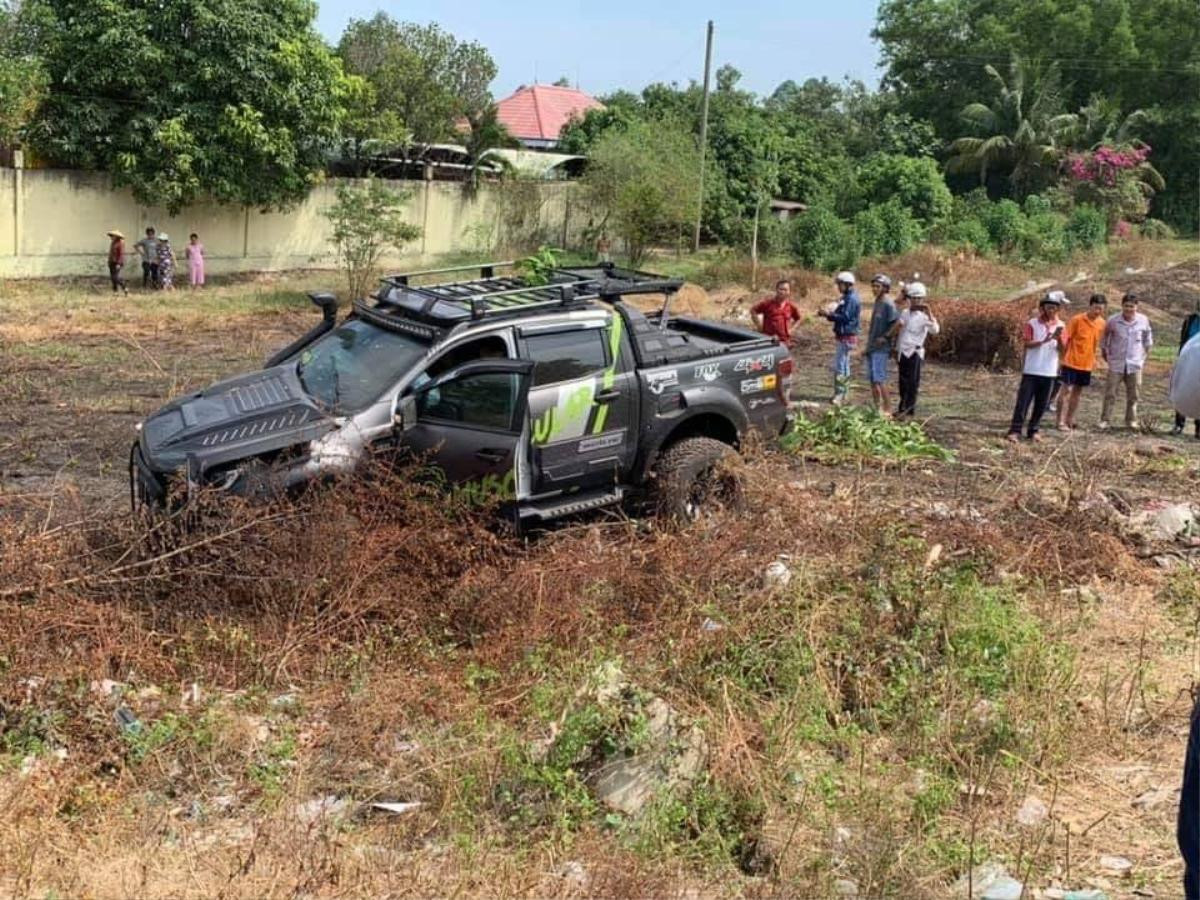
[(1156, 230), (367, 220), (23, 80), (848, 432), (643, 180), (537, 267), (887, 229), (1004, 222), (913, 182), (819, 239), (189, 99), (421, 75), (1044, 238), (1087, 227)]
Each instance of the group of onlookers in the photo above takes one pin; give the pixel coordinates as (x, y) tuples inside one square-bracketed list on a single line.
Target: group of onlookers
[(1058, 357), (158, 260)]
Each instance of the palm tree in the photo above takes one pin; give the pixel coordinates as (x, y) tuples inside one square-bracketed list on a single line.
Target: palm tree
[(1019, 131)]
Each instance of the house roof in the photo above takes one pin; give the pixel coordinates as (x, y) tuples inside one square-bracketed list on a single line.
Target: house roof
[(539, 112)]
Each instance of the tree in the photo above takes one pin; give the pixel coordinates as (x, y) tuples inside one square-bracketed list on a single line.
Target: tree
[(1019, 132), (368, 220), (914, 182), (234, 100), (23, 80), (421, 74), (486, 133), (643, 178), (366, 129)]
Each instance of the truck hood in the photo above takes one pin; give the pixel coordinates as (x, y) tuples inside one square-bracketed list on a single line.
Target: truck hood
[(233, 419)]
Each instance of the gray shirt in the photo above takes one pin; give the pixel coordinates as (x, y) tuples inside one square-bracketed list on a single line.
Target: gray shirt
[(148, 247), (883, 317)]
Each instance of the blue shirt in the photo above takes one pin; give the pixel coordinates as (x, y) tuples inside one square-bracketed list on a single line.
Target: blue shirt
[(846, 318)]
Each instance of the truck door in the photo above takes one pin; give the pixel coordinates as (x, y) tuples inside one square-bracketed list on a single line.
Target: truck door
[(467, 425), (582, 403)]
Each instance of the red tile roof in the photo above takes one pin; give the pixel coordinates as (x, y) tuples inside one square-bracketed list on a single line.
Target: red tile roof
[(539, 112)]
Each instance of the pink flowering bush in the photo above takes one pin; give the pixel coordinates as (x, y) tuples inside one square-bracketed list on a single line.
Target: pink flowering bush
[(1122, 230), (1104, 165), (1118, 180)]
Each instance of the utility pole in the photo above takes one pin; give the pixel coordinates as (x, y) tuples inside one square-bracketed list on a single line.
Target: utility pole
[(703, 136)]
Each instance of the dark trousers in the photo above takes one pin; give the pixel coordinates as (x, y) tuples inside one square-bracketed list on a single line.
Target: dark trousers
[(1188, 831), (910, 383), (115, 276), (1035, 390), (149, 274), (1181, 420)]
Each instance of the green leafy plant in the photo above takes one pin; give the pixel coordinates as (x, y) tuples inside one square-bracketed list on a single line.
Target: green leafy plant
[(847, 432), (367, 220), (538, 267)]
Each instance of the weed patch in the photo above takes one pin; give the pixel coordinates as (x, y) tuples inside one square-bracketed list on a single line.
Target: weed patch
[(848, 432)]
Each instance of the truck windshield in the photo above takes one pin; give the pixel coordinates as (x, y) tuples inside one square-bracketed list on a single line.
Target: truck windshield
[(349, 369)]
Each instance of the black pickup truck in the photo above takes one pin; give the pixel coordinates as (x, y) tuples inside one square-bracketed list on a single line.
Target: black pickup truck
[(553, 398)]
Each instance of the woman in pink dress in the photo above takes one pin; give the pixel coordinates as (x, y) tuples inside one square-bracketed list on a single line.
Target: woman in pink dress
[(195, 260)]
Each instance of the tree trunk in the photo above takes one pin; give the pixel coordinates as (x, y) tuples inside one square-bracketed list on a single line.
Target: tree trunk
[(754, 249)]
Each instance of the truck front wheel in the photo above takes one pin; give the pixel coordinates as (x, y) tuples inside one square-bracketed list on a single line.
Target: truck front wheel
[(695, 477)]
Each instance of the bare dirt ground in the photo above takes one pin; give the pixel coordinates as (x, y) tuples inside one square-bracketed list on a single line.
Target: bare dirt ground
[(1068, 688)]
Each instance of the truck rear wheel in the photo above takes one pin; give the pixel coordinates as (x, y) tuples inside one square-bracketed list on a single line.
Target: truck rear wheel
[(696, 477)]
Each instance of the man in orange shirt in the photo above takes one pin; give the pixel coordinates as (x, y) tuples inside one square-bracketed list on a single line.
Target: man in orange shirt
[(1084, 332)]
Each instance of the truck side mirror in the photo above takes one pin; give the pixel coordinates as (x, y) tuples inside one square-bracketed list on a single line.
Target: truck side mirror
[(405, 416)]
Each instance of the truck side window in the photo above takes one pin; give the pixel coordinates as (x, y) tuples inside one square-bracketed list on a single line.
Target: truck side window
[(567, 355), (487, 400)]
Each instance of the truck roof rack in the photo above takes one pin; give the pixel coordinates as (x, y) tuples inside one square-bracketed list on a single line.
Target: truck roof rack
[(445, 304)]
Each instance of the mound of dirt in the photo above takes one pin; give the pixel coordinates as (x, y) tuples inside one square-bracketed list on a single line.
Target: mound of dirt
[(1175, 290)]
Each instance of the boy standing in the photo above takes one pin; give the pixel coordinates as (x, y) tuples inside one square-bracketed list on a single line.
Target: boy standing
[(915, 325), (774, 315), (1043, 337), (879, 341), (846, 316), (1084, 333), (1126, 343)]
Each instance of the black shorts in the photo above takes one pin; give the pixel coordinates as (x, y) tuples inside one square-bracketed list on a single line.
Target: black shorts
[(1076, 377)]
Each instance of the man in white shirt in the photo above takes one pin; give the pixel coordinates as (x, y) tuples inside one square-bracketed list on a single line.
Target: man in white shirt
[(1125, 346), (915, 325), (1043, 338)]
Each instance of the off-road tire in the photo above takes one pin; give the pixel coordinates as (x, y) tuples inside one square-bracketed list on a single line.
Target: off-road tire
[(694, 477)]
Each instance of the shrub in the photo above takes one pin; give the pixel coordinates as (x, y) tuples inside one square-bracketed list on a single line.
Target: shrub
[(820, 240), (367, 220), (1036, 205), (887, 228), (1156, 230), (1044, 238), (966, 233), (915, 182), (1004, 222), (1087, 227)]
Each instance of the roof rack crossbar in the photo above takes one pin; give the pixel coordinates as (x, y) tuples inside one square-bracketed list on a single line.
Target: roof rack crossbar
[(486, 270)]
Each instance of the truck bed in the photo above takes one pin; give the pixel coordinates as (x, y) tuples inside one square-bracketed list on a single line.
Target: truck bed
[(686, 339)]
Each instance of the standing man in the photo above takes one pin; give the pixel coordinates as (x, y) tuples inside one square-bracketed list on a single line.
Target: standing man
[(116, 261), (1126, 343), (1084, 333), (1191, 328), (884, 316), (1043, 337), (774, 315), (147, 248), (915, 325), (845, 315)]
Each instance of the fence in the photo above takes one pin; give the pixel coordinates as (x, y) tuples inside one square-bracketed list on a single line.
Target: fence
[(53, 222)]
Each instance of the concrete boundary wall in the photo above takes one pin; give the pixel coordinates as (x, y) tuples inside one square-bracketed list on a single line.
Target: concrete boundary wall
[(53, 222)]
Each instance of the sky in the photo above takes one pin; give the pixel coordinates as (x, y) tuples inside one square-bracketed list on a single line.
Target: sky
[(611, 44)]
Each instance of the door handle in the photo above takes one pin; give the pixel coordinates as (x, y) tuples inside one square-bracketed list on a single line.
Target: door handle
[(490, 454), (607, 396)]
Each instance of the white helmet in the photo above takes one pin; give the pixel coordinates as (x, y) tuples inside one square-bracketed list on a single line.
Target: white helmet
[(844, 278), (914, 290), (1058, 298)]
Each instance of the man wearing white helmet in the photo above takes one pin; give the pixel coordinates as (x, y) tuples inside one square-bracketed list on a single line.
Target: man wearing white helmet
[(879, 341), (915, 326), (845, 315), (1043, 337)]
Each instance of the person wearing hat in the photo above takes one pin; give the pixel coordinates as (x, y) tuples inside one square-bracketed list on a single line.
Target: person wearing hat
[(916, 324), (1084, 333), (1126, 344), (166, 263), (845, 314), (1043, 338), (116, 261), (884, 316)]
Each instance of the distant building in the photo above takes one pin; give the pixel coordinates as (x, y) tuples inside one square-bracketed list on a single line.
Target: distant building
[(536, 114), (786, 209)]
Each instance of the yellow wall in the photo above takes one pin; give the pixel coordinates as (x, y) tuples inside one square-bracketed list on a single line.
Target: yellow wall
[(54, 223)]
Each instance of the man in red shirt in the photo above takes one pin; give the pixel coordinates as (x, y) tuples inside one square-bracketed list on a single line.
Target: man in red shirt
[(775, 315)]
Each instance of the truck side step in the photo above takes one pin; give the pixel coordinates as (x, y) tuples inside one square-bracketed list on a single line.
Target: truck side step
[(546, 510)]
